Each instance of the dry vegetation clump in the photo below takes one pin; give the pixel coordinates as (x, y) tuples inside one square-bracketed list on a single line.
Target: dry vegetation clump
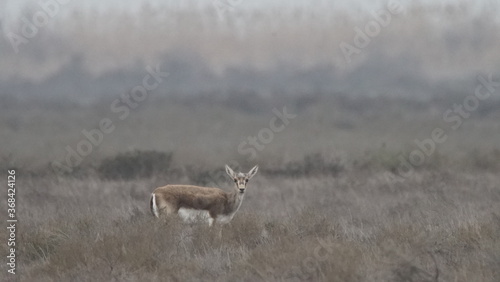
[(313, 164), (484, 160), (204, 176), (135, 164)]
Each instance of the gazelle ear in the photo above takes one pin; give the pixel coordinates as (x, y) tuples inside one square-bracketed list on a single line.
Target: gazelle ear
[(253, 171), (229, 171)]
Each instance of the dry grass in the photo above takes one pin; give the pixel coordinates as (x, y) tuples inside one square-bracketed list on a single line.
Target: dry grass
[(351, 227)]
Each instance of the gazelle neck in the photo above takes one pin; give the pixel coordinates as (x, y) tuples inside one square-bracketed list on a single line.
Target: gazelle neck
[(235, 198)]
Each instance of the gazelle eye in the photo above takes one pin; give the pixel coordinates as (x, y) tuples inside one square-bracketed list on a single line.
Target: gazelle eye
[(236, 181), (246, 180)]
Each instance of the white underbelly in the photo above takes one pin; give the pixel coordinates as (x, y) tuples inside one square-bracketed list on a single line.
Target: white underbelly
[(225, 218), (192, 215)]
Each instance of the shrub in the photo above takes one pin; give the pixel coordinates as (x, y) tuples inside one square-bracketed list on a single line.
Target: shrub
[(204, 177), (310, 165), (136, 164), (484, 160), (378, 159)]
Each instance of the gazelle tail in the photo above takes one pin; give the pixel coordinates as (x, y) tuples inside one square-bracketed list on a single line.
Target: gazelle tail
[(153, 206)]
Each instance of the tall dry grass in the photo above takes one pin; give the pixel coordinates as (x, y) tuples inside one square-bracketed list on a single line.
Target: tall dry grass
[(437, 226)]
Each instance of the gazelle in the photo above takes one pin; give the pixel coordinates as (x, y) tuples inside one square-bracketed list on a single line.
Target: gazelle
[(195, 202)]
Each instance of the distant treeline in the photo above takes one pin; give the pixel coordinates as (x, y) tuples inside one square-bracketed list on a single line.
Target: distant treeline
[(411, 50)]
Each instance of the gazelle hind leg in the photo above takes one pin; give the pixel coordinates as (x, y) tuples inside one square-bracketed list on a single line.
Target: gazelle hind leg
[(158, 210), (162, 209), (167, 209)]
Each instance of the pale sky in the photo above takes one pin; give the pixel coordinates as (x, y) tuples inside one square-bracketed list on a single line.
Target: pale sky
[(10, 7), (10, 10)]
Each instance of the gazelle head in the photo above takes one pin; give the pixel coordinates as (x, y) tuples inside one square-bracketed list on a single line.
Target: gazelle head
[(241, 179)]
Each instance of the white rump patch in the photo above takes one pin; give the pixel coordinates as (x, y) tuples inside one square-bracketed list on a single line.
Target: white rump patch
[(155, 207), (192, 215)]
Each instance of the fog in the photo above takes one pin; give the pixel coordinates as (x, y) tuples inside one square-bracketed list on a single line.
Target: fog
[(84, 52)]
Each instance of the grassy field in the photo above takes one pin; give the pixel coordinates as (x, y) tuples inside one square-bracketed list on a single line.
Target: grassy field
[(330, 201)]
